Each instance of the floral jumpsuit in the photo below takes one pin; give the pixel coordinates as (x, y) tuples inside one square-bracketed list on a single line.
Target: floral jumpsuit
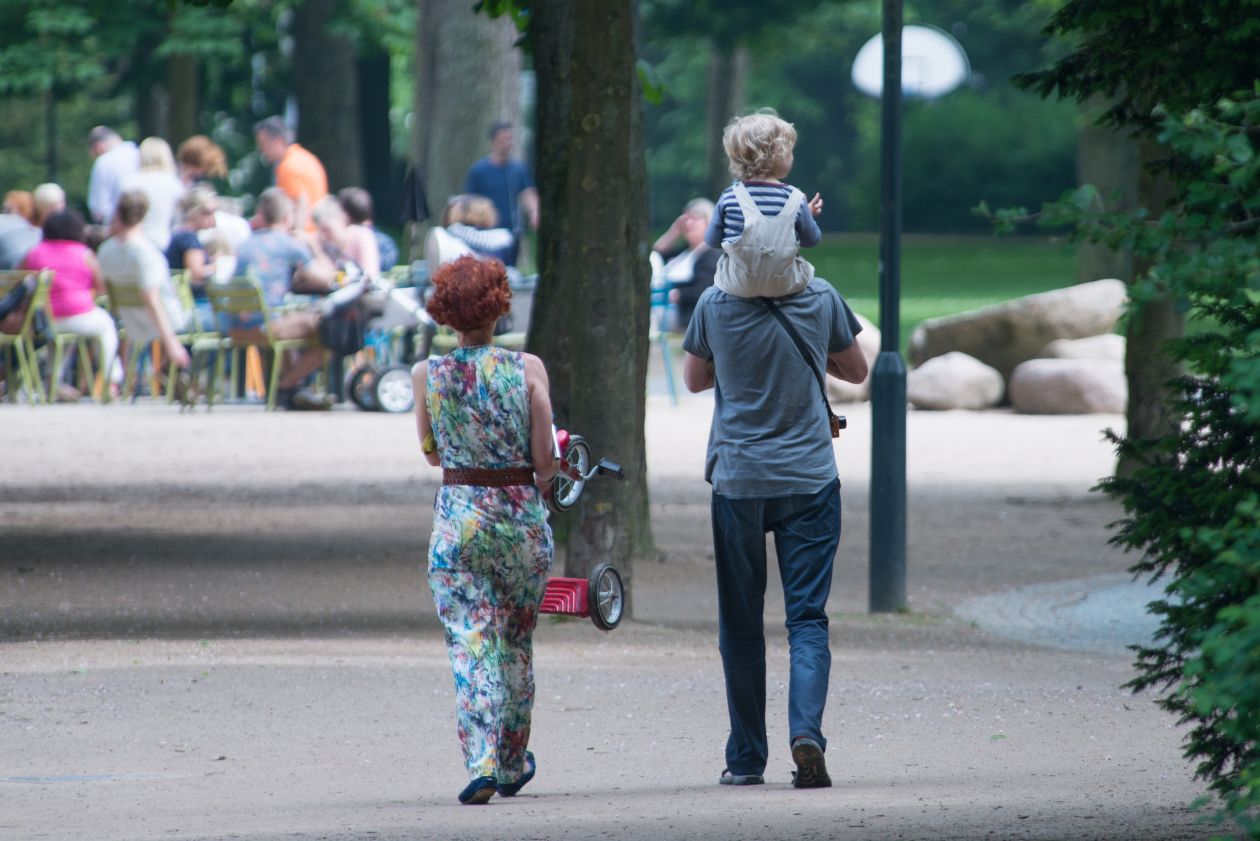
[(489, 555)]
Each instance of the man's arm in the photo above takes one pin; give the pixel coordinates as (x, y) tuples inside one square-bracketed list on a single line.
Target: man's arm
[(697, 373), (849, 364), (529, 198)]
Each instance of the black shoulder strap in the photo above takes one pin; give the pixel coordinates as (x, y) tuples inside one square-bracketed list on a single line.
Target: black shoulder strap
[(800, 346)]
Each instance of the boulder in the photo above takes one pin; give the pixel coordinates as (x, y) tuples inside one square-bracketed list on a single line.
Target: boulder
[(838, 391), (1106, 346), (954, 381), (1068, 387), (1007, 334)]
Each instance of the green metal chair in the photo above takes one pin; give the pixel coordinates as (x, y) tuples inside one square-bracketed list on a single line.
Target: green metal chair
[(243, 296), (127, 296), (20, 346)]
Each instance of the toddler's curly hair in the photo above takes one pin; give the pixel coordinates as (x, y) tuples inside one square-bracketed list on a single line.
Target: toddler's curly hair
[(469, 293), (757, 143)]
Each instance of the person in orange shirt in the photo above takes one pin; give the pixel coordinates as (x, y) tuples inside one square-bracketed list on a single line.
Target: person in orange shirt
[(298, 172)]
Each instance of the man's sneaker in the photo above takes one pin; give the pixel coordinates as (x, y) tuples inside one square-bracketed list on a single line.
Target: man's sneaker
[(730, 779), (306, 400), (811, 768)]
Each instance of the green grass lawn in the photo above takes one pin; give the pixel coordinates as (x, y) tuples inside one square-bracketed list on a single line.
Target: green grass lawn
[(943, 275)]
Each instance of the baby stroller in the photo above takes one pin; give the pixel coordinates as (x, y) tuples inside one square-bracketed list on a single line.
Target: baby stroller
[(397, 332)]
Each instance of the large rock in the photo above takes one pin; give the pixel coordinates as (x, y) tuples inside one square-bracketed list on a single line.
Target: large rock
[(1005, 335), (838, 391), (1068, 387), (954, 381), (1106, 346)]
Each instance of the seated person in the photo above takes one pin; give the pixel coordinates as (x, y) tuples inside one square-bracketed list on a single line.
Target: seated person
[(187, 253), (689, 264), (281, 263), (76, 282), (474, 221), (351, 248), (17, 237), (129, 257), (357, 203)]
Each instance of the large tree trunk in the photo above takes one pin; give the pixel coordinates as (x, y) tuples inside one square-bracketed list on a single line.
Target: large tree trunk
[(1107, 158), (184, 93), (590, 318), (374, 135), (469, 76), (325, 83), (728, 71), (1148, 365)]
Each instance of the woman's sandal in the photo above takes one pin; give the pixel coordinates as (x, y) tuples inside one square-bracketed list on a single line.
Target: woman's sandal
[(510, 789), (478, 791)]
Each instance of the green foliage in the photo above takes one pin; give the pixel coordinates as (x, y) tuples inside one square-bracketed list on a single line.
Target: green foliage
[(1193, 502), (1139, 55), (986, 140)]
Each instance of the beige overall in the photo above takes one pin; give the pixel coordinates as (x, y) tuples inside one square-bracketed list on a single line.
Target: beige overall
[(766, 258)]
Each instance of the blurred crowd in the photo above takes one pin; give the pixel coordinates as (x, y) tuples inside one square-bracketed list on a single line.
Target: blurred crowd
[(154, 220)]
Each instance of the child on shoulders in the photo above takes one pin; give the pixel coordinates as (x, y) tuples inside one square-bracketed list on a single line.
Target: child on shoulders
[(761, 223)]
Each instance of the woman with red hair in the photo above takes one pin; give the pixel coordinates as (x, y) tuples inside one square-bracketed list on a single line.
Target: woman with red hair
[(484, 415)]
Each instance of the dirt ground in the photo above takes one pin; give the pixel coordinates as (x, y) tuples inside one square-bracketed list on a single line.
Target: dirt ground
[(217, 626)]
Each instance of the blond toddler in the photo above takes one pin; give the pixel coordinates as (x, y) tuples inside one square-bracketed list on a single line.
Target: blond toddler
[(762, 223)]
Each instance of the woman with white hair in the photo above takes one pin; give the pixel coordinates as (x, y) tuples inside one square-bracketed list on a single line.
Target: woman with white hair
[(683, 263), (158, 180)]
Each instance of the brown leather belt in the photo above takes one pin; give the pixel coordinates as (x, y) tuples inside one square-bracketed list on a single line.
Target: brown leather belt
[(486, 477)]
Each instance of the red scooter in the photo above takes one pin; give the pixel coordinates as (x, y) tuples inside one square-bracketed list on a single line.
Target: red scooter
[(602, 596)]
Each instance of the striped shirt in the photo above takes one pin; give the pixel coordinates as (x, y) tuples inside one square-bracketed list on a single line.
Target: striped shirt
[(770, 196)]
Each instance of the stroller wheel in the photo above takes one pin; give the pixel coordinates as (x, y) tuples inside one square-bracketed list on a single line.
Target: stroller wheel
[(393, 391), (363, 389), (606, 597)]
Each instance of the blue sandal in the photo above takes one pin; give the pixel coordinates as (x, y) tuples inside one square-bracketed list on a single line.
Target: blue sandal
[(478, 791), (510, 789)]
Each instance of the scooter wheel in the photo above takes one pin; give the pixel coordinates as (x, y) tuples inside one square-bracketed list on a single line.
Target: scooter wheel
[(567, 487), (393, 391), (362, 389), (606, 596)]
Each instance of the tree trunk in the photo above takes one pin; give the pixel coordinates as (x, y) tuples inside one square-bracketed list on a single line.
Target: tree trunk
[(469, 77), (374, 135), (325, 82), (184, 92), (1147, 364), (728, 70), (590, 317), (1108, 159)]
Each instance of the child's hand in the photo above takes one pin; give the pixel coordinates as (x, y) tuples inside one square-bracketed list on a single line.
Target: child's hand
[(815, 204)]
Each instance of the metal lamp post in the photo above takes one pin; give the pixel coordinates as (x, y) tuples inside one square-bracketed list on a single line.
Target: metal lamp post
[(888, 381)]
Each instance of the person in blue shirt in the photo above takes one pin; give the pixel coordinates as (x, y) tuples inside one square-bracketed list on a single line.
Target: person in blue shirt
[(507, 183)]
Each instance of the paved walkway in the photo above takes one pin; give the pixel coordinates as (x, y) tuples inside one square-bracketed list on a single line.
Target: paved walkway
[(215, 626)]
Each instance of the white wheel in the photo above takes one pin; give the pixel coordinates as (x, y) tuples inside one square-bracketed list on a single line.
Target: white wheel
[(393, 390)]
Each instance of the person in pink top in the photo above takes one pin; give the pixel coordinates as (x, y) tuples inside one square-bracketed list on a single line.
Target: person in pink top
[(76, 282)]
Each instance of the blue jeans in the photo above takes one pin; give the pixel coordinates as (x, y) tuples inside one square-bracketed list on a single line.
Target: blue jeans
[(806, 531)]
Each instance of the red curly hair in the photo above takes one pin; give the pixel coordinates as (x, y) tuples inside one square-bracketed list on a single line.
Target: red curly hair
[(469, 293)]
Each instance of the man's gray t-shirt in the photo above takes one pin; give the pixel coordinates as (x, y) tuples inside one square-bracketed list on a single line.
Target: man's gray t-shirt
[(770, 435)]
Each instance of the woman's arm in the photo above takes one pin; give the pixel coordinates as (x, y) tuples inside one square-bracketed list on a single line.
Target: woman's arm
[(667, 239), (170, 344), (541, 444), (362, 249), (94, 266), (198, 267), (424, 427)]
